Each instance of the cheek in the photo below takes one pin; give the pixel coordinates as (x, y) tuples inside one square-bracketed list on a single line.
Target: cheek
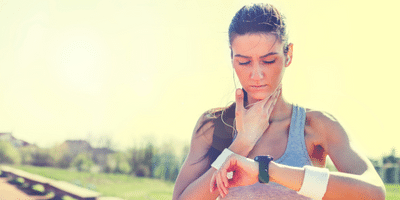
[(277, 72), (241, 73)]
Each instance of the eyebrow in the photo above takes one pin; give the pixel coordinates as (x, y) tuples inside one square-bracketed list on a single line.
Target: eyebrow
[(266, 55)]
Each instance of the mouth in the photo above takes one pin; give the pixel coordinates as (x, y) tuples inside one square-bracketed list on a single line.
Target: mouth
[(258, 86)]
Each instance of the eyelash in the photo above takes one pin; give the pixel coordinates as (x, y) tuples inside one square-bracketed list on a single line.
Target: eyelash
[(265, 62)]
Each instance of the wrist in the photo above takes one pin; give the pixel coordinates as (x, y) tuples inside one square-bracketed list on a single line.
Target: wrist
[(246, 140), (273, 169), (240, 147)]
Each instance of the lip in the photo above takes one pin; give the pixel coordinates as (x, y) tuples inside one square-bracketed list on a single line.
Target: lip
[(258, 86)]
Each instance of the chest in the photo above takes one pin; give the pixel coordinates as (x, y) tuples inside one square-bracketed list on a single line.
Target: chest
[(274, 142)]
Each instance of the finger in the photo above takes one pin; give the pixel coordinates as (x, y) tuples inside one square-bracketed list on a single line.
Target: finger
[(271, 108), (222, 186), (239, 100), (213, 182), (271, 105), (224, 170), (279, 87), (219, 186), (272, 98), (224, 176)]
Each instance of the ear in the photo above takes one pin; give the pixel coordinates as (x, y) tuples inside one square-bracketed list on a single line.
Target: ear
[(289, 55)]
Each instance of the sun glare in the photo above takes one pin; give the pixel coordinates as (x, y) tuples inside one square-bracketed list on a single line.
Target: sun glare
[(78, 61)]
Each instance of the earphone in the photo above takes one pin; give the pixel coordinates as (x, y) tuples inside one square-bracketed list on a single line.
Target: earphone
[(288, 60)]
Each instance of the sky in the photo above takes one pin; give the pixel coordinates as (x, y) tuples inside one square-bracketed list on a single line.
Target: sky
[(147, 70)]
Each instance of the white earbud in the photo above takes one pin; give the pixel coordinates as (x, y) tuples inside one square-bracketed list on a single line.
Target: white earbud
[(288, 60)]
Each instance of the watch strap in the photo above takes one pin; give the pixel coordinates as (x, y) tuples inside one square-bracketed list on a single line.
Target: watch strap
[(263, 166)]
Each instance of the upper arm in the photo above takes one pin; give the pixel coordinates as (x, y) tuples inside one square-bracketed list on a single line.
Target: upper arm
[(345, 156), (195, 164)]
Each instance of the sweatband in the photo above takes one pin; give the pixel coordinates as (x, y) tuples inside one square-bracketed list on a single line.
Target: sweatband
[(221, 158), (315, 182)]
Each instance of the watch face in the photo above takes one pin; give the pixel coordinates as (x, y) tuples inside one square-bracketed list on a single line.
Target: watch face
[(263, 158)]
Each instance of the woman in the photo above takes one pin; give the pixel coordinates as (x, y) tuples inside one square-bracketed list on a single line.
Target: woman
[(262, 122)]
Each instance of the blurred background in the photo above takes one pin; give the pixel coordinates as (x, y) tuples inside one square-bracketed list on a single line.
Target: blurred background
[(120, 73)]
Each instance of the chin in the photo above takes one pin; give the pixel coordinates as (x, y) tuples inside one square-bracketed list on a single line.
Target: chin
[(259, 96)]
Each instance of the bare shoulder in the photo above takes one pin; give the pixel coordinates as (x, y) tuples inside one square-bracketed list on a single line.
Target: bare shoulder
[(320, 119), (326, 126)]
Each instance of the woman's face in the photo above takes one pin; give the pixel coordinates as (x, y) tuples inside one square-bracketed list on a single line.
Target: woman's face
[(259, 63)]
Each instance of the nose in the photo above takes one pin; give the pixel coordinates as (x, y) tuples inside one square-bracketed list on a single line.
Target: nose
[(257, 72)]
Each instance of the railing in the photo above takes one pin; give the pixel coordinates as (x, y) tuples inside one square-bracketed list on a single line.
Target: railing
[(59, 188)]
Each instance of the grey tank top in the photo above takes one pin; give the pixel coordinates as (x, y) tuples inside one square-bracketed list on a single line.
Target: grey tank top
[(295, 155)]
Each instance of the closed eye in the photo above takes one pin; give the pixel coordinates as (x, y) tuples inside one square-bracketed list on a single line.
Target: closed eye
[(269, 62), (244, 63)]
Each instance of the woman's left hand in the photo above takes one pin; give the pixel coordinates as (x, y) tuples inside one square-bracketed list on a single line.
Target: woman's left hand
[(245, 172)]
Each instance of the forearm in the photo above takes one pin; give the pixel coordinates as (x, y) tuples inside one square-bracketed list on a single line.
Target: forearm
[(241, 147), (200, 188), (340, 185), (350, 186)]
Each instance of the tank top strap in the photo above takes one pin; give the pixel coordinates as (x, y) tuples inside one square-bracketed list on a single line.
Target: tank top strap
[(297, 123), (296, 151)]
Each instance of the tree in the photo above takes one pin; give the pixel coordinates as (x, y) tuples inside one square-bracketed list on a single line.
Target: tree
[(118, 163), (148, 156), (42, 157), (83, 162), (166, 163), (391, 158), (8, 153)]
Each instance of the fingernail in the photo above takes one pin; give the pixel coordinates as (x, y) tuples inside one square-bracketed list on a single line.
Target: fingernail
[(239, 92)]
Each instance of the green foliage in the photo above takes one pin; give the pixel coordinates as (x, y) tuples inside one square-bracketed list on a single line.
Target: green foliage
[(8, 153), (140, 161), (118, 163), (82, 162), (27, 154), (65, 161), (148, 156), (42, 157), (142, 171), (166, 163)]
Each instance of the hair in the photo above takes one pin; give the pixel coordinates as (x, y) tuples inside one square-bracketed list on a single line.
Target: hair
[(255, 18), (259, 18)]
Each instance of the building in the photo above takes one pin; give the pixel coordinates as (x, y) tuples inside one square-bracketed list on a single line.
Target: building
[(15, 142)]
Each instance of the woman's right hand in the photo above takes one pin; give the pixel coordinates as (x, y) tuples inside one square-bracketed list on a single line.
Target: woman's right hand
[(252, 122)]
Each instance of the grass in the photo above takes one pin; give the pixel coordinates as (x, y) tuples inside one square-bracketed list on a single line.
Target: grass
[(392, 191), (129, 187), (114, 185)]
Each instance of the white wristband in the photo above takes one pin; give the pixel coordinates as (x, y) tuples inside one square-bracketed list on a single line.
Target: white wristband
[(315, 182), (221, 158)]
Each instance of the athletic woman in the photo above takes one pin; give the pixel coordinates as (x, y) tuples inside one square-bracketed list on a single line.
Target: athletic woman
[(289, 143)]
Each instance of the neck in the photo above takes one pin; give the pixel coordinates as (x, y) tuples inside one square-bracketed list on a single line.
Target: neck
[(282, 109)]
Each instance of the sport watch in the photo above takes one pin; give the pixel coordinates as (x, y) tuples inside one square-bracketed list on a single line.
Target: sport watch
[(263, 168)]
